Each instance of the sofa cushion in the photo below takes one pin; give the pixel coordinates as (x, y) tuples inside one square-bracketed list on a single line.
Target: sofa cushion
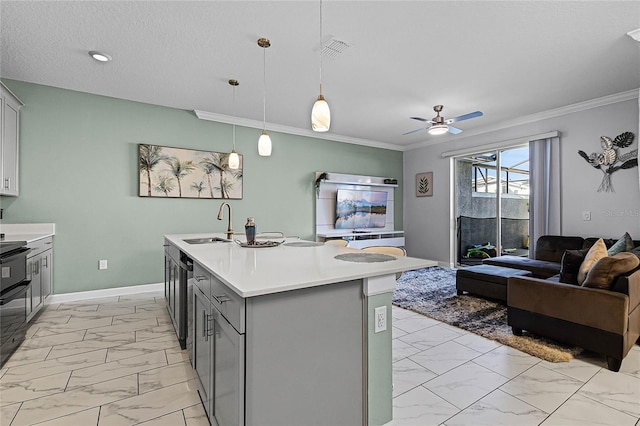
[(623, 244), (588, 242), (603, 273), (551, 248), (539, 268), (571, 261), (597, 251)]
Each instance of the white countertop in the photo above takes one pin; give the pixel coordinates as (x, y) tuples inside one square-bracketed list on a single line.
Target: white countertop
[(28, 232), (259, 271)]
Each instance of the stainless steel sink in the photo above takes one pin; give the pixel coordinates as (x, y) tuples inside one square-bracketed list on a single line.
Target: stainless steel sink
[(211, 240)]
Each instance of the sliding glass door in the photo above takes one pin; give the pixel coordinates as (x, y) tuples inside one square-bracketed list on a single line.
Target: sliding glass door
[(492, 204)]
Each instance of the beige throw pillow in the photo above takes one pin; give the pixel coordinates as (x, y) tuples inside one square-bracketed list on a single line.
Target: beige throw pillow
[(597, 251), (605, 270)]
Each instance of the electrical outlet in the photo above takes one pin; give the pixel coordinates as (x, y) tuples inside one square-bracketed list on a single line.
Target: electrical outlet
[(102, 264), (586, 215), (380, 317)]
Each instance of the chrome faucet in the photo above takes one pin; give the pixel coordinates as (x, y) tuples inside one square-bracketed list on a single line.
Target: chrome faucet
[(229, 229)]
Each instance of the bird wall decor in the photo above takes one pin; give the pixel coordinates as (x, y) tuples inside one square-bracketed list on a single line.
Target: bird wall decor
[(610, 156)]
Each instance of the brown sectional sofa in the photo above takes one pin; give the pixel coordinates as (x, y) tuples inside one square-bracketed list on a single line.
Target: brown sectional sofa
[(603, 321), (549, 252)]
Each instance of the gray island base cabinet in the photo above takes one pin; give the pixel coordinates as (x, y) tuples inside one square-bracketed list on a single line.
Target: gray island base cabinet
[(285, 336), (304, 358)]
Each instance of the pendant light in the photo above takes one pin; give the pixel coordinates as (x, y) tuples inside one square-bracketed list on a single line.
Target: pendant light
[(320, 114), (234, 158), (264, 143)]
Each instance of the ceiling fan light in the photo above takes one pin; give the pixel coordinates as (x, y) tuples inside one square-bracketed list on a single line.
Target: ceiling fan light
[(320, 115), (234, 160), (438, 129), (264, 144)]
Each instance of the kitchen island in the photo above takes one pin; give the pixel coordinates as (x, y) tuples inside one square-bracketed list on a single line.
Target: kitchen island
[(286, 335)]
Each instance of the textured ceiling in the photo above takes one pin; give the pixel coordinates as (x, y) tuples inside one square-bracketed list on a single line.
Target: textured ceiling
[(508, 59)]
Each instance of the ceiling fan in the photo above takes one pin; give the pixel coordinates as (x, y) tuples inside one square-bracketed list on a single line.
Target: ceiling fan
[(439, 125)]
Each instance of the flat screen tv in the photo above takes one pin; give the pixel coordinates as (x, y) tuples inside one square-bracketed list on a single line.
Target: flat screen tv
[(357, 209)]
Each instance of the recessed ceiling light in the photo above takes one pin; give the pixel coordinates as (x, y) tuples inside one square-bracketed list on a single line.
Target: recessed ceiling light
[(99, 56)]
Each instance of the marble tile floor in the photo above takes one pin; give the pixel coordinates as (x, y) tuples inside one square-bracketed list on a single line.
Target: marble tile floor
[(116, 361), (108, 361), (446, 376)]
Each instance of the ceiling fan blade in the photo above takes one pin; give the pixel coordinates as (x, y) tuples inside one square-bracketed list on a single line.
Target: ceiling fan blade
[(419, 119), (414, 131), (464, 117), (454, 130)]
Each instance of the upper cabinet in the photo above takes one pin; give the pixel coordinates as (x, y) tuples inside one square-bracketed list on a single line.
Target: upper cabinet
[(10, 127)]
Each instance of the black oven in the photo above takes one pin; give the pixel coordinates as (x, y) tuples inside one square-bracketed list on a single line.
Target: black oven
[(13, 296)]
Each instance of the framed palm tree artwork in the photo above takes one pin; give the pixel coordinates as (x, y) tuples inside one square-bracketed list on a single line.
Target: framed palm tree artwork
[(187, 173)]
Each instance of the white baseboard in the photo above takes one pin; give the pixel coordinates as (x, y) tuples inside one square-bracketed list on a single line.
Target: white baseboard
[(107, 292)]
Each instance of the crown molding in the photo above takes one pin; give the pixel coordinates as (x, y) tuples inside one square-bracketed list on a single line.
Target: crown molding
[(545, 115), (245, 122)]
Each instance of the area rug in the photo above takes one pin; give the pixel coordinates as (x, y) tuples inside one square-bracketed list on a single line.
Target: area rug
[(432, 292)]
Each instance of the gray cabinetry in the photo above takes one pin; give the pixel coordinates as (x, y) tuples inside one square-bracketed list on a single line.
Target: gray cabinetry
[(9, 143), (46, 265), (171, 275), (254, 356), (201, 359), (40, 272), (218, 348), (34, 291)]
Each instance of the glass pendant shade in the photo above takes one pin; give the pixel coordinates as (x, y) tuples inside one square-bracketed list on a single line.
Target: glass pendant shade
[(320, 115), (264, 144), (438, 129), (234, 160)]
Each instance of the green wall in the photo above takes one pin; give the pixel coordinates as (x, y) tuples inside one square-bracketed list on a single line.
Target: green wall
[(78, 169)]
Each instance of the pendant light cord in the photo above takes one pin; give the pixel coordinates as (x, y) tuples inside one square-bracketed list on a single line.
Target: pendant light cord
[(234, 118), (264, 88), (320, 47)]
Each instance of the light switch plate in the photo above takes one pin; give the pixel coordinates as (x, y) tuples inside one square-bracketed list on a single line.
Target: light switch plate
[(586, 215)]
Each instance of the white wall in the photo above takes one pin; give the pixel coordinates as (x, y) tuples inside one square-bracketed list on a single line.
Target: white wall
[(427, 221)]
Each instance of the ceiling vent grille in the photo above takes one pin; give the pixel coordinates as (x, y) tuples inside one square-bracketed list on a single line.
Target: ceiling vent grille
[(334, 48)]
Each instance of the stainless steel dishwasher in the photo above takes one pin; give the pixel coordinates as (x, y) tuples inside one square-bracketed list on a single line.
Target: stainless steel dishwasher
[(178, 292)]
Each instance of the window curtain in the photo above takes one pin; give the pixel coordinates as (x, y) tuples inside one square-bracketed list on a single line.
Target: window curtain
[(544, 186)]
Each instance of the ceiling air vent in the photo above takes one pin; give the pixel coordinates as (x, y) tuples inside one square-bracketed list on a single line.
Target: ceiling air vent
[(334, 47)]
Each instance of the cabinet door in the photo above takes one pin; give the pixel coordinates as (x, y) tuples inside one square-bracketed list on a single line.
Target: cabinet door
[(10, 117), (202, 347), (33, 271), (228, 372), (46, 272), (167, 277)]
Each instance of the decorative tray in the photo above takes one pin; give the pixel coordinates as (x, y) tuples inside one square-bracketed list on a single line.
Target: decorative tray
[(259, 244), (365, 257), (303, 244)]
